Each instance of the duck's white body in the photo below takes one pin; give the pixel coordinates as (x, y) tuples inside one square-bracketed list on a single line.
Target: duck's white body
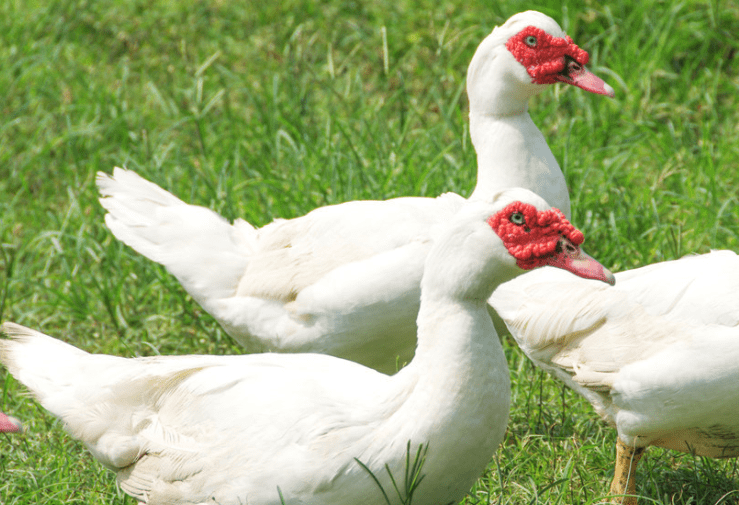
[(657, 355), (249, 429), (319, 283)]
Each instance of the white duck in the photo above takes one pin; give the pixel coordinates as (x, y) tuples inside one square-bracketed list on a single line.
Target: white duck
[(9, 424), (252, 428), (320, 283), (657, 355)]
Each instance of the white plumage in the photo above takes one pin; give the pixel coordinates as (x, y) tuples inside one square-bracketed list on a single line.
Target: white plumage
[(248, 429), (319, 283), (657, 355)]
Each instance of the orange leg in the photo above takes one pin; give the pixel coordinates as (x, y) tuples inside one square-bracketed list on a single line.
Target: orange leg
[(624, 478)]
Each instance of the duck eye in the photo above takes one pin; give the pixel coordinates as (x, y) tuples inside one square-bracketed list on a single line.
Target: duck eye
[(517, 218), (530, 41)]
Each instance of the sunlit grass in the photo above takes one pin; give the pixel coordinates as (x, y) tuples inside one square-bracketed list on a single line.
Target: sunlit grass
[(264, 110)]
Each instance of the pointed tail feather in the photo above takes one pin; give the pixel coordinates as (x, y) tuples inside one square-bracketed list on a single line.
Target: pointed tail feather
[(59, 376), (104, 401), (43, 364), (206, 253), (68, 382)]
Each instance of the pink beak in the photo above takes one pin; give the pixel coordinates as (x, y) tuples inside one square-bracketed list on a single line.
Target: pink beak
[(573, 259), (579, 76), (9, 424)]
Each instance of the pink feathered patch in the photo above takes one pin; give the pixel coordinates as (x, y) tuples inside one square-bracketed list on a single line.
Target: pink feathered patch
[(543, 55), (531, 235)]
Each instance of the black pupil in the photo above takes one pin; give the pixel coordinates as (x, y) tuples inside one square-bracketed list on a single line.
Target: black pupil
[(531, 40), (517, 218)]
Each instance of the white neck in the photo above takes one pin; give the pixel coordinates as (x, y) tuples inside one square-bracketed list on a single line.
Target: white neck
[(512, 152), (460, 394), (456, 339)]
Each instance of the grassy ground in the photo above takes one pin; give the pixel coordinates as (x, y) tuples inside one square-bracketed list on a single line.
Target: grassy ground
[(270, 109)]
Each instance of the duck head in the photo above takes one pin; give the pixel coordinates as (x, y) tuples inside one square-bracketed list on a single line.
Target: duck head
[(488, 243), (519, 58)]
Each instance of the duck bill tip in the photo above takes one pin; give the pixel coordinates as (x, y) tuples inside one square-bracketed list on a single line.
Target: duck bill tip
[(585, 79), (575, 260)]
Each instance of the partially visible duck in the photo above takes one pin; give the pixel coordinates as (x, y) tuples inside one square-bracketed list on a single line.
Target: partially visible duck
[(320, 283), (308, 428), (9, 424), (657, 355)]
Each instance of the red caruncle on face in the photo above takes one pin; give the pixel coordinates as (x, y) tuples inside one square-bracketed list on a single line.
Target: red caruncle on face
[(531, 235), (543, 55)]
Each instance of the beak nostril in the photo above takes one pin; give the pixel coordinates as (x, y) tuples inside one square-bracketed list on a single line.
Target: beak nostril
[(569, 248)]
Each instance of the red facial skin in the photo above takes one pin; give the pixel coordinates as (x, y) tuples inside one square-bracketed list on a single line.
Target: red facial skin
[(549, 59), (545, 58), (537, 237)]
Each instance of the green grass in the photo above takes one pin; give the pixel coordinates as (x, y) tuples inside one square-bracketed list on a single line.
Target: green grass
[(270, 109)]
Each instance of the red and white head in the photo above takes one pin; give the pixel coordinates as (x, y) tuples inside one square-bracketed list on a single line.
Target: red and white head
[(523, 55), (491, 243)]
